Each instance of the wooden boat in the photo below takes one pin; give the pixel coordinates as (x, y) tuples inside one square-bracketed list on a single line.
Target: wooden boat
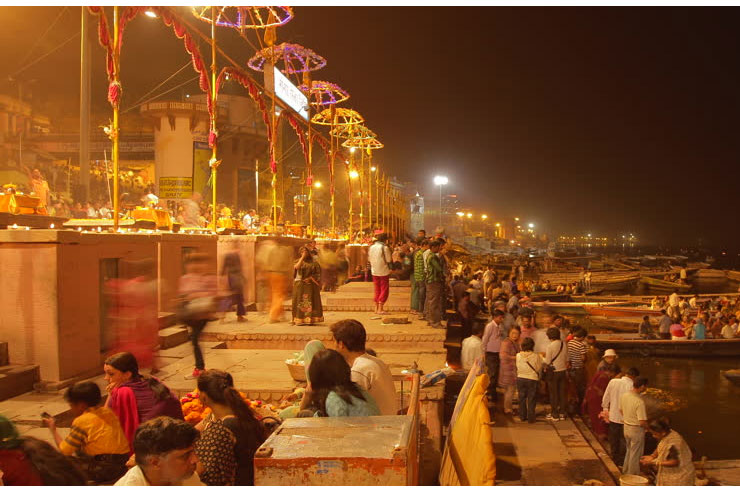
[(605, 279), (710, 274), (621, 324), (661, 284), (563, 307), (732, 375), (734, 275), (621, 310), (709, 348)]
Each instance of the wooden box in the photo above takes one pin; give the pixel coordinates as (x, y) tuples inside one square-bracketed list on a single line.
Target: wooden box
[(361, 451)]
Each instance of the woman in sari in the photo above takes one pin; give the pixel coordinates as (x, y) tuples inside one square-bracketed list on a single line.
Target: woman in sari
[(672, 457), (307, 307), (507, 371), (591, 405)]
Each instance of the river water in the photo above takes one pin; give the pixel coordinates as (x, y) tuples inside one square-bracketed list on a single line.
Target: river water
[(710, 422)]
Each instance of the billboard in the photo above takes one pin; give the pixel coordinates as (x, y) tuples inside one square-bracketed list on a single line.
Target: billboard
[(290, 95)]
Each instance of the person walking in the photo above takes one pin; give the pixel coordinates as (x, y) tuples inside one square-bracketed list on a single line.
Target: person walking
[(507, 374), (635, 423), (435, 288), (232, 271), (307, 307), (379, 256), (556, 359)]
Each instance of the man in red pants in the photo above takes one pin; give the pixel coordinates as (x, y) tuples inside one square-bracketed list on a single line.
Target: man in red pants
[(379, 256)]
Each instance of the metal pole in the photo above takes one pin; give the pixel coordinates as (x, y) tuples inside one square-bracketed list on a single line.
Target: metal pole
[(214, 94), (114, 130), (440, 205), (370, 189), (85, 106), (332, 151), (257, 187)]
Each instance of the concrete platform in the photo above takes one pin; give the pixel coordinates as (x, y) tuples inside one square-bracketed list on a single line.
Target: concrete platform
[(258, 333), (358, 296)]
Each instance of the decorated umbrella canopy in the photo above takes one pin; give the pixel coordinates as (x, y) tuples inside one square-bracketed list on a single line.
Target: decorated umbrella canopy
[(353, 132), (259, 17), (294, 57), (323, 93), (337, 116)]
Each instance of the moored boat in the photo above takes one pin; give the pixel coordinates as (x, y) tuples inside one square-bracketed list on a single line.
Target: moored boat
[(661, 284), (621, 310), (665, 347), (734, 275), (732, 375), (714, 274)]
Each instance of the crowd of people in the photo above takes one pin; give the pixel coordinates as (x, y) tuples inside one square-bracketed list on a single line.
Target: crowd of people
[(683, 319), (136, 435), (560, 364)]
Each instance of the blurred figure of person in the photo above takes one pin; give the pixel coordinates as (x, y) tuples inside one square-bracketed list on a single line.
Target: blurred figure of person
[(39, 186), (165, 455), (417, 301), (379, 256), (645, 330), (134, 313), (593, 356), (232, 270), (135, 398), (434, 296), (329, 262), (96, 439), (612, 413), (664, 325), (275, 264), (197, 291), (491, 343), (556, 358), (230, 435), (307, 308), (468, 311), (249, 221), (577, 351), (672, 458), (342, 266), (191, 211), (332, 391), (14, 464)]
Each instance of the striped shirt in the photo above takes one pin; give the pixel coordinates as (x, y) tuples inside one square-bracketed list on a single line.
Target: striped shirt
[(419, 270), (576, 353), (96, 431)]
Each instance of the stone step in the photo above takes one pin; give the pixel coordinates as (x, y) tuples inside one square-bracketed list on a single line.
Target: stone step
[(166, 319), (4, 360), (173, 336), (17, 379)]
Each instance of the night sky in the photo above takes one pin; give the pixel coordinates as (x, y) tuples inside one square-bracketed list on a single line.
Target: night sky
[(599, 120)]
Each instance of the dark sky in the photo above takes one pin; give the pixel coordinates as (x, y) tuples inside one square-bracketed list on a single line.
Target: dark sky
[(577, 119)]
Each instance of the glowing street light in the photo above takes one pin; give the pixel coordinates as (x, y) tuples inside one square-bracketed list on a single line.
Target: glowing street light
[(352, 150), (317, 184), (354, 174), (531, 225), (498, 225), (470, 214), (373, 168), (484, 216), (440, 180), (460, 213), (150, 14), (516, 219)]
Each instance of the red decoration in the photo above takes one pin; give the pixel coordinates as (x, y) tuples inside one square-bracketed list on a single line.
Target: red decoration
[(114, 93), (212, 138)]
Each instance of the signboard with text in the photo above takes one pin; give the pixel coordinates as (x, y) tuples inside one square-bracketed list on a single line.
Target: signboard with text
[(175, 187), (290, 94)]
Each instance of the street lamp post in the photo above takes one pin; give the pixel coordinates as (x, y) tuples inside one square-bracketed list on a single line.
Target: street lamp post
[(440, 181)]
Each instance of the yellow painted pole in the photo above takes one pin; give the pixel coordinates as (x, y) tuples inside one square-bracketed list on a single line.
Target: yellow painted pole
[(214, 161), (114, 130), (362, 191), (332, 151)]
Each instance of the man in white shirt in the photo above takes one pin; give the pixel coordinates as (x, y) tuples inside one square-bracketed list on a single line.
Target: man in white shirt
[(556, 356), (165, 456), (379, 256), (616, 388), (472, 348), (729, 331), (368, 372), (635, 424)]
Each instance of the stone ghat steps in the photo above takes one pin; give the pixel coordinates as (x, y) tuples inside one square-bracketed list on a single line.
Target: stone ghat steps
[(296, 341), (17, 379)]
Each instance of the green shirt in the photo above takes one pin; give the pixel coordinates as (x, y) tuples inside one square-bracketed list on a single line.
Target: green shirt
[(434, 269), (419, 265)]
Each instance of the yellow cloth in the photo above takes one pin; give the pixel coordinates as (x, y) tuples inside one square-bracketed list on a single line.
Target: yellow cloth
[(469, 459), (96, 431)]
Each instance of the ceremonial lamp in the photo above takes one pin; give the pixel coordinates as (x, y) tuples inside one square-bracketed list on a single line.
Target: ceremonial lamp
[(366, 142), (334, 117), (239, 18), (356, 134), (295, 59), (321, 93)]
